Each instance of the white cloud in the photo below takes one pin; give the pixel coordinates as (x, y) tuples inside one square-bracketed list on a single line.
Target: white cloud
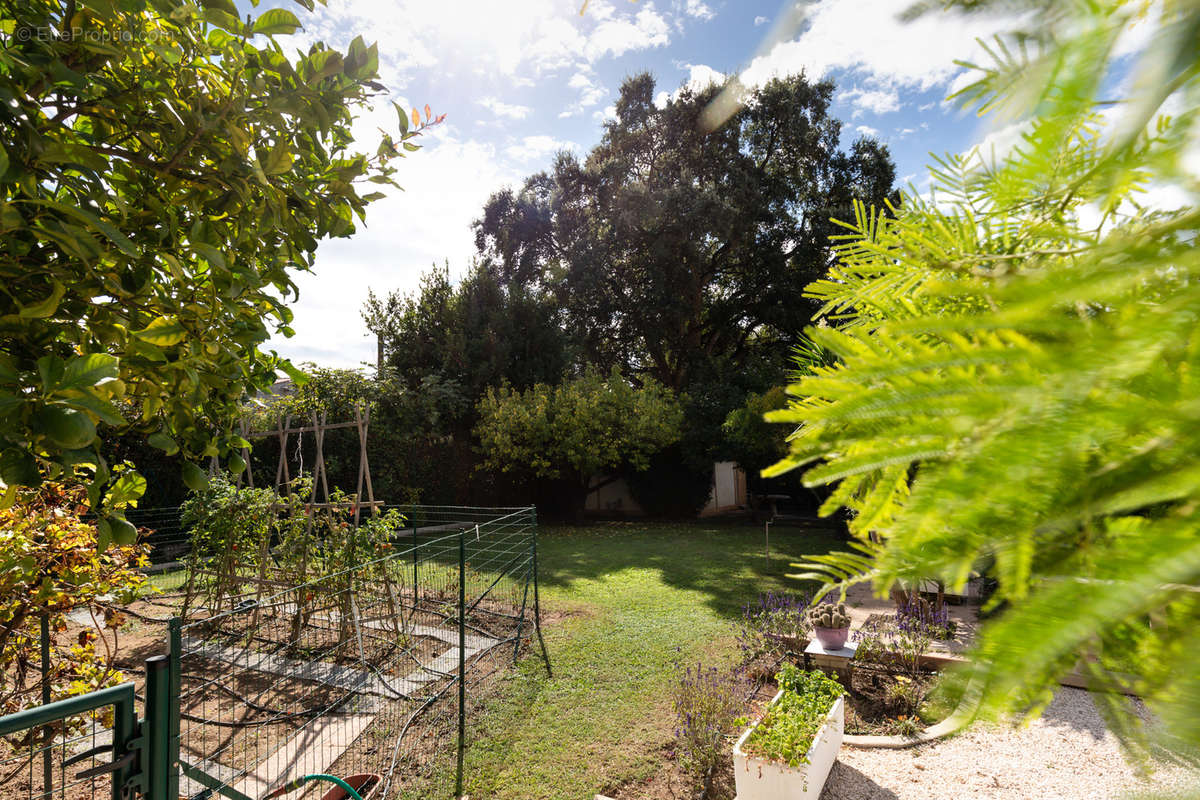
[(760, 21), (616, 36), (591, 93), (485, 36), (502, 109), (446, 184), (699, 9), (603, 116), (877, 101), (867, 38), (867, 130), (533, 148), (701, 76)]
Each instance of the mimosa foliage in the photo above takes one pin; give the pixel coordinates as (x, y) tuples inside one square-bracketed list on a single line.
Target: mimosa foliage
[(1016, 383)]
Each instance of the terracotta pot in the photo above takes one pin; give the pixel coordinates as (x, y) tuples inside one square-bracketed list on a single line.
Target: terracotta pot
[(832, 638), (365, 784)]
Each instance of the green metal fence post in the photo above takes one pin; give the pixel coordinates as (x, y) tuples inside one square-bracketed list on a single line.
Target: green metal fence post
[(156, 728), (462, 660), (537, 606), (48, 737), (124, 727), (174, 686)]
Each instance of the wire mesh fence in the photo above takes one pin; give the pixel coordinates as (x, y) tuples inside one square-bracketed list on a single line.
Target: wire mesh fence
[(360, 672)]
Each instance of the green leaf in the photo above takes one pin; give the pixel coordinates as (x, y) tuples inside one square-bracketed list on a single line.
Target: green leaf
[(44, 308), (3, 161), (276, 21), (50, 370), (162, 441), (237, 464), (89, 370), (298, 376), (195, 478), (88, 218), (403, 117), (18, 468), (210, 254), (127, 488), (162, 332), (68, 428), (278, 161), (101, 408), (8, 368), (103, 534)]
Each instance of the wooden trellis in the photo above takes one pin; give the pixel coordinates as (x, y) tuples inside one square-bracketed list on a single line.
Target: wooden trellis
[(319, 425)]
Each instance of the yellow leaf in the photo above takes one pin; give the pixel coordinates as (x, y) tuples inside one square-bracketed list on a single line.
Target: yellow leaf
[(416, 118)]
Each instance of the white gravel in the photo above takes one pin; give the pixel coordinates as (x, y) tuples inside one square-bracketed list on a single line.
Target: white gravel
[(1065, 754)]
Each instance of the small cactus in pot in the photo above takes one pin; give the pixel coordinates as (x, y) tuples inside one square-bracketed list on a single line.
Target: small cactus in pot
[(831, 624)]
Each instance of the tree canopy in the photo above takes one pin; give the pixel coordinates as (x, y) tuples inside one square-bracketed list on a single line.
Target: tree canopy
[(165, 169), (472, 335), (1015, 381), (581, 428), (672, 248)]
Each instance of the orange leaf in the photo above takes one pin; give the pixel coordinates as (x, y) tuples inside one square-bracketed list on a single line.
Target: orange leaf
[(439, 119), (416, 118), (427, 114)]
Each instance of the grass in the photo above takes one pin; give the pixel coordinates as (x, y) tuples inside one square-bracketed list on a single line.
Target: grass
[(625, 605)]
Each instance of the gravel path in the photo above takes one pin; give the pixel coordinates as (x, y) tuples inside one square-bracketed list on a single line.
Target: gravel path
[(1066, 754)]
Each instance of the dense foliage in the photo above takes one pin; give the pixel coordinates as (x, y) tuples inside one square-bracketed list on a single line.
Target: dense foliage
[(51, 564), (249, 540), (581, 428), (1016, 373), (669, 252), (164, 171), (672, 248), (788, 728)]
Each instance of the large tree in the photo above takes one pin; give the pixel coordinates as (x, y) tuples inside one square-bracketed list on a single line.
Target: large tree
[(472, 335), (676, 251), (165, 169)]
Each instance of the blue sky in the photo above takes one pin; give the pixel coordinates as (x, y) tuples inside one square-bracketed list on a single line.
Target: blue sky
[(520, 79)]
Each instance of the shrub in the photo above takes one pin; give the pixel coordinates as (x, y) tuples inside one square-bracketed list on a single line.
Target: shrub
[(51, 564), (894, 643), (708, 705), (787, 729), (918, 615), (769, 625)]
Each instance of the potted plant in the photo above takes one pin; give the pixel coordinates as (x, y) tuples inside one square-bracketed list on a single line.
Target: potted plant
[(787, 755), (831, 625)]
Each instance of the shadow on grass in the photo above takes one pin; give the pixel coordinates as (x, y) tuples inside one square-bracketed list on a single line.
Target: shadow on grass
[(726, 562)]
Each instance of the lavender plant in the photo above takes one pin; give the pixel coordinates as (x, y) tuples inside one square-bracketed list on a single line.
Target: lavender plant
[(708, 707), (771, 623), (894, 642), (919, 616)]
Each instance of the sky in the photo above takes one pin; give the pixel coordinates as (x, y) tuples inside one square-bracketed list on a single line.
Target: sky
[(519, 80)]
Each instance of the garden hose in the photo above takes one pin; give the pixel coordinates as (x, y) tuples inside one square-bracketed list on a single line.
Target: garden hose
[(293, 785)]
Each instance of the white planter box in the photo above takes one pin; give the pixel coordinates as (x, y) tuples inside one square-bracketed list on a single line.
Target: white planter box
[(757, 779)]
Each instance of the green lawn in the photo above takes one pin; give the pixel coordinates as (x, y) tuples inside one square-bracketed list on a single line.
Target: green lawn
[(625, 603)]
